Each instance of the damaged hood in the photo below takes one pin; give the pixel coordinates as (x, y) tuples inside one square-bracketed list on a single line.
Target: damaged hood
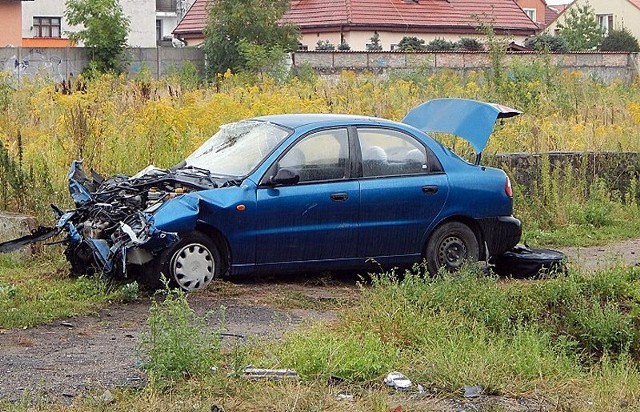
[(85, 190), (471, 120)]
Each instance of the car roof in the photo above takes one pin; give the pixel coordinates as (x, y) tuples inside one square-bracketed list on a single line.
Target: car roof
[(294, 121)]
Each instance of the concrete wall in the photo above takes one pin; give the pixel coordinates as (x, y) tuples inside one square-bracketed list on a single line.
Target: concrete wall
[(617, 169), (61, 63), (605, 66)]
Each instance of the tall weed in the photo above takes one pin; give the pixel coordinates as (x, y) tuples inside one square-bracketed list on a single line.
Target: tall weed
[(179, 344)]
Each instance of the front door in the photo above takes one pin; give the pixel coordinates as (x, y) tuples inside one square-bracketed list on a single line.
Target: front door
[(316, 219)]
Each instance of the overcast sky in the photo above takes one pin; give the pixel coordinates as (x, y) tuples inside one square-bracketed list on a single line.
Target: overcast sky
[(552, 2)]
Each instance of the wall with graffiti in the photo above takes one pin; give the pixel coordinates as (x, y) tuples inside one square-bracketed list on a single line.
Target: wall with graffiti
[(60, 64)]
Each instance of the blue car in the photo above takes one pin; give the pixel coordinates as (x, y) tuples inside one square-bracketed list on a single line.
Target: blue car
[(299, 192)]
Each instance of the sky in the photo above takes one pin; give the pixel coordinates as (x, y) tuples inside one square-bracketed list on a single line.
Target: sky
[(554, 2)]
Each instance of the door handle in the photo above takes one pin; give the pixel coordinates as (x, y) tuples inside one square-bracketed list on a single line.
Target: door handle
[(430, 190), (339, 197)]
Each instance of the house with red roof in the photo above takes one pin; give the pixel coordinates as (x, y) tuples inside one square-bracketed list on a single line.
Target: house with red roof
[(610, 14), (356, 21), (540, 12)]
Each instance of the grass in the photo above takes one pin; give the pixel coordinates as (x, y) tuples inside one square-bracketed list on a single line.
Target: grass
[(179, 344), (38, 290), (568, 342)]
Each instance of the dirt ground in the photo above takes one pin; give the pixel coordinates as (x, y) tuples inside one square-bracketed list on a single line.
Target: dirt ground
[(63, 359)]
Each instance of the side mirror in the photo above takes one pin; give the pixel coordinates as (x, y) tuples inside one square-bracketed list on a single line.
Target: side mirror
[(284, 176)]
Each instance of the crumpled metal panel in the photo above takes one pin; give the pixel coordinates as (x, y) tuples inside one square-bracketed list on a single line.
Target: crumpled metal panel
[(77, 184), (177, 215)]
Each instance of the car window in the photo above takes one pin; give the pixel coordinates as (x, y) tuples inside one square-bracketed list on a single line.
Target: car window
[(320, 156), (388, 152), (237, 148)]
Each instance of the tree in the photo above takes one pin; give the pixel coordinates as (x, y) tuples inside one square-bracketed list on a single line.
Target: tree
[(105, 29), (375, 42), (252, 21), (410, 44), (580, 28), (260, 60), (620, 40), (547, 43)]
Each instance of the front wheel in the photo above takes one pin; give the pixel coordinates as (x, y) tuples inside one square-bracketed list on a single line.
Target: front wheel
[(191, 263), (449, 246)]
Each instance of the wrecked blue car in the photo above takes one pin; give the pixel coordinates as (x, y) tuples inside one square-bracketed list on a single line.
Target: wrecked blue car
[(298, 192)]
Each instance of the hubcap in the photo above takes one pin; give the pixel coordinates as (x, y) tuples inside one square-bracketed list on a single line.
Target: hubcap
[(452, 253), (193, 266)]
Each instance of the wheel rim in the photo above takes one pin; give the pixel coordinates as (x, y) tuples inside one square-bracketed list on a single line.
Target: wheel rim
[(193, 266), (452, 252)]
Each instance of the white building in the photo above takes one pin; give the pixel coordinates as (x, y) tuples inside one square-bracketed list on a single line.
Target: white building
[(44, 24)]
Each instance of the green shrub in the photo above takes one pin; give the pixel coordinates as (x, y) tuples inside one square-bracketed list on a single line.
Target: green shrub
[(325, 45), (344, 46), (620, 40), (547, 43), (597, 211), (601, 329), (186, 77), (411, 43), (179, 343), (440, 45), (318, 353), (469, 44), (468, 328)]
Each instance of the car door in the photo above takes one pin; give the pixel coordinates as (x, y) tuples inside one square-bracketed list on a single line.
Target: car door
[(402, 190), (315, 219)]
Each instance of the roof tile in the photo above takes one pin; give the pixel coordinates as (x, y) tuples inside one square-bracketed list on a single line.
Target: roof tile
[(437, 14)]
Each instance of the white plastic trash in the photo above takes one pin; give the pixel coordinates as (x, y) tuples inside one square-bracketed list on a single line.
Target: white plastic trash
[(397, 380)]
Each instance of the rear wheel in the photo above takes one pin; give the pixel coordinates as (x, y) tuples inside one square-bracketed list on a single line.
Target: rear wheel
[(190, 264), (450, 246)]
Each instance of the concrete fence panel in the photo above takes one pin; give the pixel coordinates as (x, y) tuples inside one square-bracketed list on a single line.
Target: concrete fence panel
[(61, 63), (607, 66), (617, 169)]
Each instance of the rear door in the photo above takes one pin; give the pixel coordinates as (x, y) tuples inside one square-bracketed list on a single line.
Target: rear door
[(402, 190)]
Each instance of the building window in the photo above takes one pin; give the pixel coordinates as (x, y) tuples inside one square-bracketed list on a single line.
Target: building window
[(158, 30), (531, 13), (166, 6), (394, 47), (605, 21), (47, 27)]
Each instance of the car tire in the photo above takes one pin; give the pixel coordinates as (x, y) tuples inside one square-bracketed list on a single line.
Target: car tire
[(191, 263), (450, 246)]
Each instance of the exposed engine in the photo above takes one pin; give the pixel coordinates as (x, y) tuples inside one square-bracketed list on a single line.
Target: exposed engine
[(113, 216)]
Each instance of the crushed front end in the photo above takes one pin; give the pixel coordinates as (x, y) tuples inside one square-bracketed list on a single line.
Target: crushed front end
[(113, 225)]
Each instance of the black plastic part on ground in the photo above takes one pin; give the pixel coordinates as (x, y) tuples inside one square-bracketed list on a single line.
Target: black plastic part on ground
[(524, 262), (38, 235)]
